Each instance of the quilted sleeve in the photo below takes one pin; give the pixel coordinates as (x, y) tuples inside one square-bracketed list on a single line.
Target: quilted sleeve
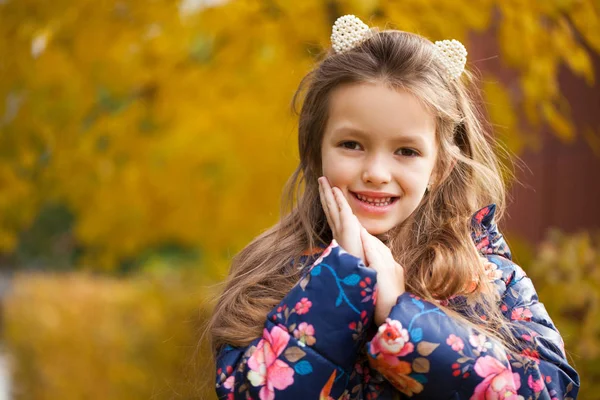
[(425, 353), (542, 362), (310, 339)]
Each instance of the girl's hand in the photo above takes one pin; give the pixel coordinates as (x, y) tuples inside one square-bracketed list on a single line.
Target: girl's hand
[(344, 225), (390, 275)]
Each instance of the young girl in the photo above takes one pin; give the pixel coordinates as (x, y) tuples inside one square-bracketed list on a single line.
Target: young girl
[(387, 279)]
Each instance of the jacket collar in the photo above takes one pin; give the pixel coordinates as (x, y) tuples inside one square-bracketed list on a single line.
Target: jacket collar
[(485, 233)]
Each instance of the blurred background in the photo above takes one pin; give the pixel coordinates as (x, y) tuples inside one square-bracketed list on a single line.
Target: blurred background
[(145, 142)]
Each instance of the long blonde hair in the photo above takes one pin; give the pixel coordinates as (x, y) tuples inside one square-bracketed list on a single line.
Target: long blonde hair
[(433, 245)]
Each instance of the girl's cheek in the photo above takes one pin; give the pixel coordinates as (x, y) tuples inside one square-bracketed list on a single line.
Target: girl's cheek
[(411, 177), (416, 175), (340, 167)]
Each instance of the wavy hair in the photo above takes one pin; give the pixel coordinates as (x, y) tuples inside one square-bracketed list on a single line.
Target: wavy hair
[(433, 244)]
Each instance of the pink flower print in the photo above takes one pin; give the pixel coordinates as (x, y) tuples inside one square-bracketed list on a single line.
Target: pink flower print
[(325, 253), (483, 243), (481, 213), (391, 342), (375, 293), (305, 334), (478, 341), (455, 342), (521, 314), (499, 381), (532, 354), (229, 382), (491, 270), (536, 384), (303, 306), (265, 368)]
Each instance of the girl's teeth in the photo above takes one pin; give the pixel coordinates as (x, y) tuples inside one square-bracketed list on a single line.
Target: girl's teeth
[(375, 201)]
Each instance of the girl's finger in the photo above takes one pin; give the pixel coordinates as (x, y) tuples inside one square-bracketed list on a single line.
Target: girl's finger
[(334, 211), (327, 206), (346, 213), (347, 218), (370, 252)]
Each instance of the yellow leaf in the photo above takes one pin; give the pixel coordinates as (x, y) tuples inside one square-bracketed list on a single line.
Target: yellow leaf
[(426, 348), (420, 365), (293, 354), (558, 122)]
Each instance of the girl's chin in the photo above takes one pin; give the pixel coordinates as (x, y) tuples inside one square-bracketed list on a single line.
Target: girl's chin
[(376, 229)]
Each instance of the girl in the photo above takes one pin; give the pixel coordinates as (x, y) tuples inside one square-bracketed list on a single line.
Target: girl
[(408, 289)]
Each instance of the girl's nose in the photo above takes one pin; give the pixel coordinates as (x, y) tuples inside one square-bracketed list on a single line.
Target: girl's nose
[(376, 171)]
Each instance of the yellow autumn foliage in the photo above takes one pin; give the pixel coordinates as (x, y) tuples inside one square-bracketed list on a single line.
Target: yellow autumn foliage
[(566, 272), (169, 122), (79, 336)]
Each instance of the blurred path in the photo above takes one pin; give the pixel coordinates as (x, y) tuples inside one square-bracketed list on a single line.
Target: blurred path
[(4, 378), (5, 381)]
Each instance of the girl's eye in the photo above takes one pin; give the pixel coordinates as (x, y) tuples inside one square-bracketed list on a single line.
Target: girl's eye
[(350, 145), (408, 152)]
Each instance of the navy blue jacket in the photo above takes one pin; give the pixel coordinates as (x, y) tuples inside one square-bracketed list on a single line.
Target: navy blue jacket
[(320, 342)]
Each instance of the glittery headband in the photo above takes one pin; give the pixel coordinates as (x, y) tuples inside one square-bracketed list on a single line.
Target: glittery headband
[(349, 31)]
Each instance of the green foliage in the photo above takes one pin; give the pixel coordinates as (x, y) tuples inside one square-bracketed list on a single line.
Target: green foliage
[(49, 239), (566, 273), (79, 336)]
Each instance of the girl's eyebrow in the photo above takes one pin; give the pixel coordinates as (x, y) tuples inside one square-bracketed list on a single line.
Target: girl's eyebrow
[(400, 138)]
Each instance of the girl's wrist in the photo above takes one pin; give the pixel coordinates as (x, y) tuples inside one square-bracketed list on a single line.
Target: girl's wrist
[(388, 292)]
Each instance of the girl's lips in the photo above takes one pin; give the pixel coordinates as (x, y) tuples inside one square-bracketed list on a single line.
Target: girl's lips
[(375, 195), (373, 209)]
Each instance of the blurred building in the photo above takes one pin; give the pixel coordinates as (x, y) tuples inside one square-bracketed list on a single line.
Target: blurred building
[(559, 185)]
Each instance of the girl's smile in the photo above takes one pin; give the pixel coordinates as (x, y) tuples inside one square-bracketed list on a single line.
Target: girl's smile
[(373, 202), (379, 148)]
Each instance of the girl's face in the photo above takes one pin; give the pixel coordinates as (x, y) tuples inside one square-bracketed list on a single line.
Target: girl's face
[(379, 148)]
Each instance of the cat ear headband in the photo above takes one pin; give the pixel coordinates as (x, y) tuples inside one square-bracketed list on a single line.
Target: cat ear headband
[(349, 31)]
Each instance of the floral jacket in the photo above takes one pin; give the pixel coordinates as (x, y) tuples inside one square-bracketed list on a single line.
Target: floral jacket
[(320, 342)]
